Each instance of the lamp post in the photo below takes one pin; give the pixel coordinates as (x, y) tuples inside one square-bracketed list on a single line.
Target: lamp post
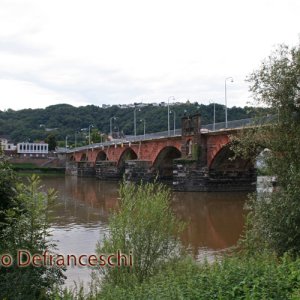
[(174, 113), (67, 142), (134, 119), (169, 113), (214, 127), (110, 123), (214, 123), (231, 80), (143, 120), (90, 133)]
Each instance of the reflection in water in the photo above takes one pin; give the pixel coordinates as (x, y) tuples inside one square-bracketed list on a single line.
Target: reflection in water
[(79, 219), (215, 220)]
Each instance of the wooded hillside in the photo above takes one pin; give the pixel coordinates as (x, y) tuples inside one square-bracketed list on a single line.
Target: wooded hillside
[(63, 119)]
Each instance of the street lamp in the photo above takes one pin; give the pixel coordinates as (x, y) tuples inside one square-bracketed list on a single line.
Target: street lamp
[(214, 124), (110, 123), (101, 138), (67, 142), (231, 80), (143, 120), (172, 111), (90, 133), (134, 119), (169, 113)]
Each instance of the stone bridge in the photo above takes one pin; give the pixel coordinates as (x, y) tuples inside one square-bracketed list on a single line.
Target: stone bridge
[(192, 159)]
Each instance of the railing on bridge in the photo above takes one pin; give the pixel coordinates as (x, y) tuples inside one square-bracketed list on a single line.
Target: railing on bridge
[(163, 134), (239, 123)]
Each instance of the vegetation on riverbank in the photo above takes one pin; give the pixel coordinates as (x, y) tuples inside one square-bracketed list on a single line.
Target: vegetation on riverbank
[(28, 168), (24, 225)]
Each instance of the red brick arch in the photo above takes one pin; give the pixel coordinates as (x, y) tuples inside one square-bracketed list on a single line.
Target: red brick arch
[(127, 150), (214, 145)]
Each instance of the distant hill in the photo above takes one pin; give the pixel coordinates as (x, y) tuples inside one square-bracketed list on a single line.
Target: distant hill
[(63, 119)]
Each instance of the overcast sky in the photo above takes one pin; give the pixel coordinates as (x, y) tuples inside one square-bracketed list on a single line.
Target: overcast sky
[(124, 51)]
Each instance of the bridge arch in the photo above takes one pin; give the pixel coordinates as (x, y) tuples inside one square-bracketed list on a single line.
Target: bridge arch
[(101, 156), (163, 163), (223, 161), (127, 154), (84, 157)]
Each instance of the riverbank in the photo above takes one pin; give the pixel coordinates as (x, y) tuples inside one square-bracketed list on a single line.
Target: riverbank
[(24, 169)]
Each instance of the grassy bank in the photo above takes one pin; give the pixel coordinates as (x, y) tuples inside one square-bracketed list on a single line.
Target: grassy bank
[(29, 168), (260, 277)]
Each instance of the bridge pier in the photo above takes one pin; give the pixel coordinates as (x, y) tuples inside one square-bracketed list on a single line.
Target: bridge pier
[(71, 168), (85, 169), (107, 170), (190, 176), (139, 170)]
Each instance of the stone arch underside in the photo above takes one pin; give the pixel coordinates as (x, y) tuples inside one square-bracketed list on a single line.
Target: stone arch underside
[(83, 157), (163, 164), (101, 156), (128, 154), (224, 162)]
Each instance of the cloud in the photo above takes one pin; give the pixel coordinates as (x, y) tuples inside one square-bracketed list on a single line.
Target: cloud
[(115, 52)]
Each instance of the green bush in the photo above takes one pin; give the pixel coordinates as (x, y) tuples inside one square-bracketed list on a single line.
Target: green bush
[(145, 226), (25, 227), (261, 277)]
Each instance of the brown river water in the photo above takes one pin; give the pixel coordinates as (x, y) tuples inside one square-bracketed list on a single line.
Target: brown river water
[(79, 218)]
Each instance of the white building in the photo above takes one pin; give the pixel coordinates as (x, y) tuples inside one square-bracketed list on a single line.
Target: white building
[(32, 149), (6, 146)]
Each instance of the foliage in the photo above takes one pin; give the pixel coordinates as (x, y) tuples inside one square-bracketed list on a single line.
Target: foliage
[(62, 120), (7, 188), (26, 227), (275, 217), (260, 277), (51, 141), (145, 226)]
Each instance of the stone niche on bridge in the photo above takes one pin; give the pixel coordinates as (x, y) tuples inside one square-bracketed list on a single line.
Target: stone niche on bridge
[(191, 125), (191, 136)]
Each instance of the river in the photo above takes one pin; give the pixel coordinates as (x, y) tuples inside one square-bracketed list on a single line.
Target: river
[(79, 218)]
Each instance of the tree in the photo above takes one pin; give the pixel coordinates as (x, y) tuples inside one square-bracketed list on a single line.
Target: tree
[(275, 217), (95, 136), (7, 188), (25, 226), (51, 141), (145, 225)]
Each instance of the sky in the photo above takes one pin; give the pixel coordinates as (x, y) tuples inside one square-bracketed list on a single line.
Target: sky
[(98, 52)]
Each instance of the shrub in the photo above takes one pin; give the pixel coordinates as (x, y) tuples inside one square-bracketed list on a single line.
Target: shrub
[(145, 226), (26, 227), (261, 277)]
